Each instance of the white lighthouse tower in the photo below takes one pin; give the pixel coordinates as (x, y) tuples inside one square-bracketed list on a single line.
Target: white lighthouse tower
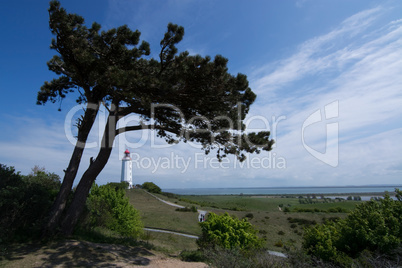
[(127, 169)]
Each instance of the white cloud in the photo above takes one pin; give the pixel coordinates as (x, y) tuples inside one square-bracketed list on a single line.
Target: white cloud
[(363, 73), (312, 57)]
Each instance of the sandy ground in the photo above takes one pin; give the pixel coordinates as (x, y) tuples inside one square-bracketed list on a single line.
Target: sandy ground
[(72, 253)]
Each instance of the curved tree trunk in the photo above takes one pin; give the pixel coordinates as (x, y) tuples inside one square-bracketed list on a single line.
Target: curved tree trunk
[(71, 171), (80, 196)]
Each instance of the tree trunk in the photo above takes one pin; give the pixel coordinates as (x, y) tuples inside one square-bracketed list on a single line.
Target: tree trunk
[(71, 171), (77, 205)]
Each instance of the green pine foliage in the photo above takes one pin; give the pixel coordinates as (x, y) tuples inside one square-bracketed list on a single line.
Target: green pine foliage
[(374, 226), (226, 231), (109, 207)]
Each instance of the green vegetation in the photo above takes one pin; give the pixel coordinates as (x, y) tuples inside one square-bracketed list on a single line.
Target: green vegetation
[(330, 210), (264, 203), (261, 211), (24, 201), (187, 209), (374, 226), (369, 234), (151, 187), (108, 207), (228, 232), (155, 214)]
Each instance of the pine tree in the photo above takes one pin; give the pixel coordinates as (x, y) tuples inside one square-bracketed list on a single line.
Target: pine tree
[(180, 96)]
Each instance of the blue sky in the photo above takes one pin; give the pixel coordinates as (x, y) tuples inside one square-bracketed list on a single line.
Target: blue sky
[(327, 74)]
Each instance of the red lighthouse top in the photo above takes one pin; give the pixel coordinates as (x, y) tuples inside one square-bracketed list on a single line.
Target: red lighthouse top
[(126, 155)]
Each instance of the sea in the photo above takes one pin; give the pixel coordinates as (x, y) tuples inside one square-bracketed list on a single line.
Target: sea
[(372, 190)]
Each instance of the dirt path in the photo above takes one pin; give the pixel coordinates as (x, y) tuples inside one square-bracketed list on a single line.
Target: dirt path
[(164, 201), (170, 232), (72, 253), (201, 213)]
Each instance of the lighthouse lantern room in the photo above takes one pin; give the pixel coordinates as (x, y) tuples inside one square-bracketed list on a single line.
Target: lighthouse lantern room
[(126, 169)]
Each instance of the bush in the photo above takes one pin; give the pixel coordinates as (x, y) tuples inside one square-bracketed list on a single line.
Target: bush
[(24, 202), (170, 195), (301, 221), (108, 207), (228, 232), (250, 216), (151, 187), (119, 185), (192, 256), (188, 201), (338, 210), (373, 226), (187, 209)]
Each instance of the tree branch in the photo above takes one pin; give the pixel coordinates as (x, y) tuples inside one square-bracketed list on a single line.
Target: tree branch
[(130, 128), (150, 126)]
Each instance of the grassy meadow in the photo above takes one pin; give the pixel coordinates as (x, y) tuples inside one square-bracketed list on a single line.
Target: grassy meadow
[(266, 213)]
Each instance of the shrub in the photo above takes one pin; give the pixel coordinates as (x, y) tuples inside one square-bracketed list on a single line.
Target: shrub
[(250, 216), (188, 201), (187, 209), (338, 210), (281, 233), (24, 202), (279, 244), (170, 195), (109, 207), (119, 185), (301, 221), (192, 256), (373, 225), (324, 219), (151, 187), (228, 232)]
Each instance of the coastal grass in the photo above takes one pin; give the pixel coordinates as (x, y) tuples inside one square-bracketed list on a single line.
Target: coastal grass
[(156, 214), (278, 228), (262, 203), (170, 243), (347, 205)]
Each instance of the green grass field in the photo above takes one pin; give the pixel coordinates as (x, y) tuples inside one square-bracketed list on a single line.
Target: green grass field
[(156, 214), (275, 226)]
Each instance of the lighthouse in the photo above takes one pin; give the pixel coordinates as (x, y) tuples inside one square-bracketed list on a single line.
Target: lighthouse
[(127, 169)]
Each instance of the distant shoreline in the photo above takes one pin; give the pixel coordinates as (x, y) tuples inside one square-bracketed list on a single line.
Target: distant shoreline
[(297, 195), (289, 191)]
